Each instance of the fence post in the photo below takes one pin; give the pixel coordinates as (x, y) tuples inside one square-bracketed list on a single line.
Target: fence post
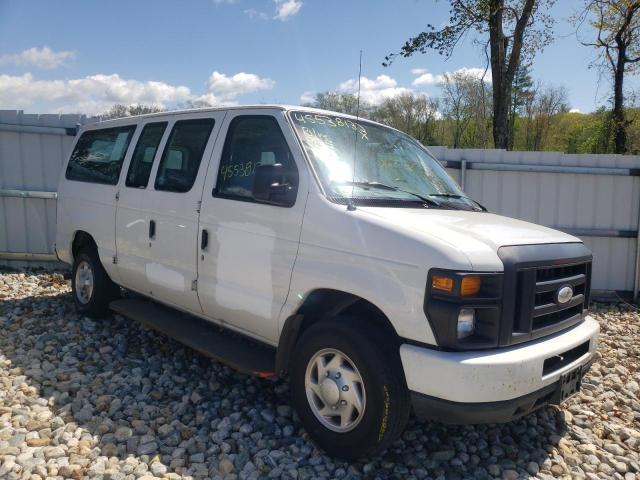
[(463, 173), (636, 271)]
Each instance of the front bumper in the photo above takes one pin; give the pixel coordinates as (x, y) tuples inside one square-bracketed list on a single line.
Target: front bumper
[(460, 413), (495, 380)]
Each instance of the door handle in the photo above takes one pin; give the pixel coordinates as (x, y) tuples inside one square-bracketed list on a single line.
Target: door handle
[(152, 229), (204, 240)]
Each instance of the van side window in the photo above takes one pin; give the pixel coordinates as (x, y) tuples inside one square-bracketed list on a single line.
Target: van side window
[(252, 141), (182, 154), (143, 155), (98, 155)]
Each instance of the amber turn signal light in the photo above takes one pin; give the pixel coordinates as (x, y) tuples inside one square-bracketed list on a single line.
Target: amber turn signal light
[(444, 284), (470, 285)]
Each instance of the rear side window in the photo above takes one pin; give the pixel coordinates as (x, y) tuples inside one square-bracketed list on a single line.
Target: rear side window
[(182, 155), (143, 155), (98, 155), (251, 141)]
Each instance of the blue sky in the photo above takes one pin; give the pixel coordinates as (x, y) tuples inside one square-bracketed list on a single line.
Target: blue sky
[(83, 56)]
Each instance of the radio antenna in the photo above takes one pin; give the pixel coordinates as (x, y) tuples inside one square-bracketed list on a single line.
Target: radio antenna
[(350, 205)]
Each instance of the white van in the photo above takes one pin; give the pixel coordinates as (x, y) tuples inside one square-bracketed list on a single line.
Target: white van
[(288, 241)]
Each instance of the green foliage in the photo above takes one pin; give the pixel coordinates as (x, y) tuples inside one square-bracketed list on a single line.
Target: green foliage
[(542, 124), (119, 111), (508, 30), (413, 114), (338, 102)]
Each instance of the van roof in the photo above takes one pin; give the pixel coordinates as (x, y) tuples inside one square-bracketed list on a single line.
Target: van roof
[(282, 107)]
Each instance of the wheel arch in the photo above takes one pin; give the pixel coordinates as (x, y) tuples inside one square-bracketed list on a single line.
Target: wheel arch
[(324, 304), (82, 239)]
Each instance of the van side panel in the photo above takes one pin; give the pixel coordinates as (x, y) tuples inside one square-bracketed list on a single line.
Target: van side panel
[(245, 271), (352, 253), (88, 207)]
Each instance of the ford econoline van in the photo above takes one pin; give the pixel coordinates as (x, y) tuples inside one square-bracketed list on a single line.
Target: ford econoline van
[(331, 250)]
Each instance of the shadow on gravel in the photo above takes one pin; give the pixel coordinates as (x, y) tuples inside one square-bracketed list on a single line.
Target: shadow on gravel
[(136, 393)]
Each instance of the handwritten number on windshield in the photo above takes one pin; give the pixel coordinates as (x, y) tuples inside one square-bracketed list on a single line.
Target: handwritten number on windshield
[(335, 122)]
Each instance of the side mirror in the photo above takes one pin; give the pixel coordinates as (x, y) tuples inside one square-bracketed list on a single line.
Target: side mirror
[(275, 185)]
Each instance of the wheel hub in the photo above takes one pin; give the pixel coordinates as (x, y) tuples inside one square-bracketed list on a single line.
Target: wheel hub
[(335, 390), (84, 282), (330, 391)]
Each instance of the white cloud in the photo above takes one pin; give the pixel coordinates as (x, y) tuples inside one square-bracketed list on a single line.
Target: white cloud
[(224, 89), (89, 94), (286, 9), (231, 86), (211, 100), (252, 13), (374, 91), (427, 78), (43, 58), (96, 93), (475, 72), (307, 97), (575, 110)]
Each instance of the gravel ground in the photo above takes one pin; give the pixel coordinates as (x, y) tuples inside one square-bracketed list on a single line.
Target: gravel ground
[(110, 399)]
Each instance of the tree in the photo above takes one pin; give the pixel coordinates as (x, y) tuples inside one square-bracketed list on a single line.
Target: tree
[(521, 93), (592, 133), (415, 114), (119, 111), (338, 102), (455, 104), (508, 28), (465, 107), (541, 108), (617, 24)]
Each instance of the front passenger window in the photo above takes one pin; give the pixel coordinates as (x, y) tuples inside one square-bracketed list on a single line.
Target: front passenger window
[(252, 142), (182, 155)]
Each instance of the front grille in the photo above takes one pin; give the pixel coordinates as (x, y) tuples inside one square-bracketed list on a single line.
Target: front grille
[(537, 310), (546, 310), (531, 308)]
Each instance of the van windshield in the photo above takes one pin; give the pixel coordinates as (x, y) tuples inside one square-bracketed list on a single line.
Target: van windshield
[(389, 165)]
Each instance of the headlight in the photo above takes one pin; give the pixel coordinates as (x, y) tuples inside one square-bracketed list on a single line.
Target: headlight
[(463, 308), (466, 322)]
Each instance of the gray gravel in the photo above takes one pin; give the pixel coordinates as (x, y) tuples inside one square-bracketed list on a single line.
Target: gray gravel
[(113, 400)]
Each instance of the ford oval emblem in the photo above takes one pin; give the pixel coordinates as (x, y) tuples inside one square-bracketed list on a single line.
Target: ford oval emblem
[(564, 294)]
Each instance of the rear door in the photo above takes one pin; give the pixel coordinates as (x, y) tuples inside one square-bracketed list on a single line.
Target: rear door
[(172, 204), (250, 246), (87, 196)]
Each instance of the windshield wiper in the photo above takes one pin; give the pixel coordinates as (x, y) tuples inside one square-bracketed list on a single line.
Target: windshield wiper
[(455, 195), (384, 186)]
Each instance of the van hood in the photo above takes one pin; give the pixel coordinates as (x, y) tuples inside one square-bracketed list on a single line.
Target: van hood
[(477, 234)]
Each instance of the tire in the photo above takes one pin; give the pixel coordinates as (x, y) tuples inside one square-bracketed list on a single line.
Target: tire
[(386, 401), (92, 300)]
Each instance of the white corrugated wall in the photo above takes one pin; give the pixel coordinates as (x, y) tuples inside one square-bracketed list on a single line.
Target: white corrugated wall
[(601, 204), (31, 161), (566, 201)]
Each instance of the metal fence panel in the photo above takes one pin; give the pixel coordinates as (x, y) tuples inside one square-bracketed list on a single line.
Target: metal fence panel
[(32, 150), (600, 199)]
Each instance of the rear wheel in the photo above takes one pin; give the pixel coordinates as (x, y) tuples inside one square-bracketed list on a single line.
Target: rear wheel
[(348, 388), (91, 286)]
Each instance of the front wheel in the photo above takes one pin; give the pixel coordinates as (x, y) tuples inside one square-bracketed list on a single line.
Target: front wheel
[(348, 388), (91, 286)]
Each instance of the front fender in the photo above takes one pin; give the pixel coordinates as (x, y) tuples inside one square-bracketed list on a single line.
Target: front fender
[(396, 288)]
